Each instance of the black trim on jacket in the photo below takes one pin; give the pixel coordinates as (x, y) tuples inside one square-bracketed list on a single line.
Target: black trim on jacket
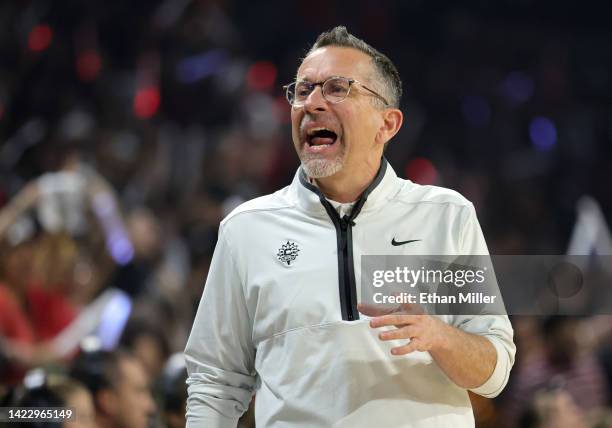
[(344, 241)]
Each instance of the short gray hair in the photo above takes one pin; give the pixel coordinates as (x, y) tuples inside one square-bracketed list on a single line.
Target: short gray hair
[(339, 36)]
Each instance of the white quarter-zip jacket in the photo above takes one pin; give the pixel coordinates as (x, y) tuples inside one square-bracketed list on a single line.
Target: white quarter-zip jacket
[(278, 315)]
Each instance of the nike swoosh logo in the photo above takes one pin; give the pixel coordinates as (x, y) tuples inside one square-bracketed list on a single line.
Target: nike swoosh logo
[(398, 243)]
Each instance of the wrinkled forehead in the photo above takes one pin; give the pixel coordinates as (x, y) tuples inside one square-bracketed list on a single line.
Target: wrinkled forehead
[(336, 61)]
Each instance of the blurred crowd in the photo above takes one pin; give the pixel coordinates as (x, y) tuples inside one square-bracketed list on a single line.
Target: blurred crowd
[(128, 130)]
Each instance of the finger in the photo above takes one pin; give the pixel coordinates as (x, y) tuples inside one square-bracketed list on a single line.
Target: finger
[(407, 332), (396, 320), (376, 310), (412, 308), (406, 349)]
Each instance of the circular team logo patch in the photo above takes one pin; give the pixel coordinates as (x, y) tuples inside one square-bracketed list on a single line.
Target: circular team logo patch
[(288, 252)]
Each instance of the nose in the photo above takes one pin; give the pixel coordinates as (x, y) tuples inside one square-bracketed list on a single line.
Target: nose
[(315, 102)]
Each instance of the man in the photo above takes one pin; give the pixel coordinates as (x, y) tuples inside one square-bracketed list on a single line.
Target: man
[(279, 312), (120, 388), (58, 391)]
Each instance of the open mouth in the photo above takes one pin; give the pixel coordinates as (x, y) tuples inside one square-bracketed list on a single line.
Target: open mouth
[(321, 137)]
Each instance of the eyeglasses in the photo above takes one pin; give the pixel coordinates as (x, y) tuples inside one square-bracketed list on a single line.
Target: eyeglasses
[(335, 89)]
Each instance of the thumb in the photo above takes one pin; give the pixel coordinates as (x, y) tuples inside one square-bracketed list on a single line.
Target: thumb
[(376, 310)]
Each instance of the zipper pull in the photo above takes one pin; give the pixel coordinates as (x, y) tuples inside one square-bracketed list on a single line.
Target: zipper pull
[(343, 238), (346, 221)]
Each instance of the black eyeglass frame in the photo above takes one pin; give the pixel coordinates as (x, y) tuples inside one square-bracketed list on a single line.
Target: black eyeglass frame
[(313, 85)]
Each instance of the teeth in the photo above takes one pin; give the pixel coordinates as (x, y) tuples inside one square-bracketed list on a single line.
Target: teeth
[(313, 130), (319, 147)]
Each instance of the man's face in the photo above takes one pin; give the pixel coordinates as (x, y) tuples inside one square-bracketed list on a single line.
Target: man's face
[(82, 404), (135, 403), (355, 121)]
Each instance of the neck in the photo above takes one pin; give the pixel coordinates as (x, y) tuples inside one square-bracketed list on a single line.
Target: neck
[(347, 187)]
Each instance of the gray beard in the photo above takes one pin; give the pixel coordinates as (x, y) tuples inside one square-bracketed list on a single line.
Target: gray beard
[(316, 167)]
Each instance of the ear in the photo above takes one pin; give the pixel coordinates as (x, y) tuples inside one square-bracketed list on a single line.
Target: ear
[(107, 400), (392, 119)]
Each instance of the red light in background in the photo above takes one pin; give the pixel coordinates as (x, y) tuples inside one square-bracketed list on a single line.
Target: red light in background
[(261, 76), (88, 65), (146, 102), (40, 38), (421, 171)]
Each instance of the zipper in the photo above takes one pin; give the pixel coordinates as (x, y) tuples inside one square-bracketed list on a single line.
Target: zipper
[(346, 271), (350, 289), (344, 242)]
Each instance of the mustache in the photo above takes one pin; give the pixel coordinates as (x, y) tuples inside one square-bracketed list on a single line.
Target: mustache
[(306, 120)]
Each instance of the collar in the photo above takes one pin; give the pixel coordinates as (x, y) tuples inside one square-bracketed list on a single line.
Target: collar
[(384, 186), (342, 208)]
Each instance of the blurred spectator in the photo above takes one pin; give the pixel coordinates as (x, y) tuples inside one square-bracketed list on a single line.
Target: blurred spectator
[(35, 301), (51, 285), (50, 390), (148, 343), (101, 323), (564, 364), (146, 235), (120, 387), (15, 327), (173, 391), (64, 199), (553, 409)]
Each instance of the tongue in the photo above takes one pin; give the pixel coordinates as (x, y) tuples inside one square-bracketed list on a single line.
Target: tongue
[(317, 141)]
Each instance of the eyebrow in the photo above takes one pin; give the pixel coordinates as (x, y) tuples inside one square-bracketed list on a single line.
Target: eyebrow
[(303, 79), (306, 79)]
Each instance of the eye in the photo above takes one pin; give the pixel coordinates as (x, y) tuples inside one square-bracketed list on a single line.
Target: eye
[(336, 87), (303, 89)]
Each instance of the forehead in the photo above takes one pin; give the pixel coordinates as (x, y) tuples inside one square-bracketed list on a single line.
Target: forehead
[(335, 61), (132, 371)]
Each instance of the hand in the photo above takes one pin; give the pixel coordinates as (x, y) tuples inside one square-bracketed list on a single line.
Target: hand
[(467, 359), (425, 332)]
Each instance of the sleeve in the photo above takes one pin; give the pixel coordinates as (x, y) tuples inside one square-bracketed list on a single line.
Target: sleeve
[(219, 354), (496, 328)]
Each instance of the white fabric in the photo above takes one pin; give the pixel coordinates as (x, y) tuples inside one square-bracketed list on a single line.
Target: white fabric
[(277, 327), (62, 202)]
